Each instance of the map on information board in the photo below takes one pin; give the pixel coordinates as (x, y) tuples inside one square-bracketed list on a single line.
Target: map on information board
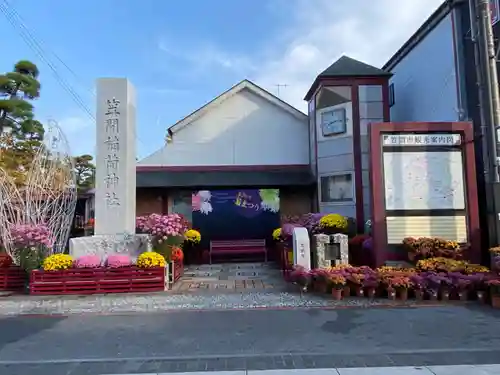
[(424, 180)]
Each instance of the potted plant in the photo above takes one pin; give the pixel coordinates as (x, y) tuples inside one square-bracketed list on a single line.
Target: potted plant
[(58, 262), (400, 284), (494, 285), (150, 259), (419, 285), (356, 282), (461, 285), (192, 239), (446, 284), (333, 223), (494, 254), (433, 285), (320, 279), (370, 283), (31, 244), (301, 277), (338, 282), (478, 282), (166, 231)]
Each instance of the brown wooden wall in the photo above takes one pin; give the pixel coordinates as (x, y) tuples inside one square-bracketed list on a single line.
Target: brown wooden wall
[(295, 201), (151, 201)]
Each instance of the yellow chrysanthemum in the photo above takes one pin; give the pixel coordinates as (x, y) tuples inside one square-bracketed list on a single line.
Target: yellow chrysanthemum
[(277, 234), (333, 221), (150, 259), (193, 236), (57, 262)]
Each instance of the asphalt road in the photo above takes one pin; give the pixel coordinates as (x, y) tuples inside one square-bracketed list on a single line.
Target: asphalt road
[(254, 339)]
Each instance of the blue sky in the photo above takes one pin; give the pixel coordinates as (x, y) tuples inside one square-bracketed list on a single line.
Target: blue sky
[(181, 54)]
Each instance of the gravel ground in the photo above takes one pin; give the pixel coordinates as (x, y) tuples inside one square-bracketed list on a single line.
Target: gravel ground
[(158, 302)]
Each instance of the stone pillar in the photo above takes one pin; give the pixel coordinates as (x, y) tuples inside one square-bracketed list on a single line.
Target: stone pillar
[(301, 248), (343, 241), (320, 241), (115, 196)]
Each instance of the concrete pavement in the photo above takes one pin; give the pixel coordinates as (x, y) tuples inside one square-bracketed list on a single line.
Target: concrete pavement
[(434, 370), (189, 341)]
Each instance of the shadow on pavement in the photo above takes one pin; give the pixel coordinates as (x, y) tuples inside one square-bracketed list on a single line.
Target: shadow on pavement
[(17, 328)]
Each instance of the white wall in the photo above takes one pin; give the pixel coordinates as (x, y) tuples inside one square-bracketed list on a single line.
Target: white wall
[(424, 82), (245, 129)]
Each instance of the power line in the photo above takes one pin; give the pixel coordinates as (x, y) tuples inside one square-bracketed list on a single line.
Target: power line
[(11, 14), (36, 46)]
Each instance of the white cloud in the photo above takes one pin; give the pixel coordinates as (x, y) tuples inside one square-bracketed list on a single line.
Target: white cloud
[(318, 33), (370, 31), (201, 58)]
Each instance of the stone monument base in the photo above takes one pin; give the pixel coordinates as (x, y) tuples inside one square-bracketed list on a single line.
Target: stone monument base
[(102, 245)]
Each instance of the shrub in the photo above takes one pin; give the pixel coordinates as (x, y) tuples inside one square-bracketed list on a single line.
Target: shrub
[(441, 264), (57, 262), (150, 259), (161, 227), (88, 261), (334, 221), (27, 235), (118, 260), (426, 247), (193, 236)]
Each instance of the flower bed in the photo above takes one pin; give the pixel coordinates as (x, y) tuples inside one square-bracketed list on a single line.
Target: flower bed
[(100, 280), (433, 280), (12, 279)]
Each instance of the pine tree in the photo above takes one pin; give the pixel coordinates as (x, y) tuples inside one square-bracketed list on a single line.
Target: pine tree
[(20, 134)]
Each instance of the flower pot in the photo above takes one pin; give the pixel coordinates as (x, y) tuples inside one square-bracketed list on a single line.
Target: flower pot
[(359, 291), (337, 294), (463, 295), (403, 294), (391, 293), (481, 298), (445, 295), (370, 292), (419, 294), (495, 301), (347, 291)]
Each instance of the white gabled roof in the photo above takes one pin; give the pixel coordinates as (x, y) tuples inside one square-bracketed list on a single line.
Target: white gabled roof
[(245, 84)]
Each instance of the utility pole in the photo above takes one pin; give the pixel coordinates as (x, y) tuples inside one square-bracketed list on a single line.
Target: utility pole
[(278, 87), (489, 99)]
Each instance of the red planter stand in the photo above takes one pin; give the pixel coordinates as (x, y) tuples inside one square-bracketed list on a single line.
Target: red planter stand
[(175, 272), (97, 281), (12, 279)]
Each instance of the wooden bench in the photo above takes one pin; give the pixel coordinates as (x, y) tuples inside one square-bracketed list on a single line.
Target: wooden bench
[(238, 247)]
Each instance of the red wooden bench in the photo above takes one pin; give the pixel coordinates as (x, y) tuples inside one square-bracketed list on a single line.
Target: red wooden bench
[(238, 247)]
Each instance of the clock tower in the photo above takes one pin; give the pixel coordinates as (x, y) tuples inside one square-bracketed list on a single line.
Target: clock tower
[(343, 101)]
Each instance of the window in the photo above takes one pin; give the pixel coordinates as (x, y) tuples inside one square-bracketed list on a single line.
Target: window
[(391, 95), (337, 188), (181, 204), (333, 122)]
